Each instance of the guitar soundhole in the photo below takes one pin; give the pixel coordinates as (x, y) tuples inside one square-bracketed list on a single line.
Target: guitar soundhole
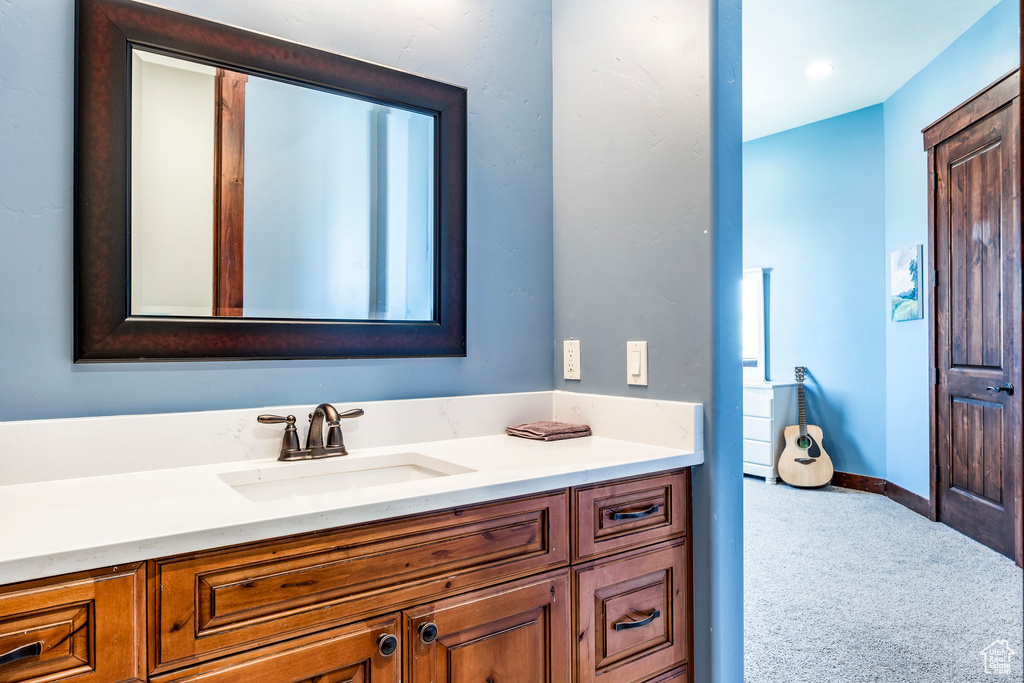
[(804, 442)]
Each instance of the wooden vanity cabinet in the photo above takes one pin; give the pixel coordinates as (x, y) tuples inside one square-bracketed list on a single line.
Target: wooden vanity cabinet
[(583, 585)]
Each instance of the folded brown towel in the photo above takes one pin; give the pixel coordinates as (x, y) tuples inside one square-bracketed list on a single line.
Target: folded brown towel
[(548, 431)]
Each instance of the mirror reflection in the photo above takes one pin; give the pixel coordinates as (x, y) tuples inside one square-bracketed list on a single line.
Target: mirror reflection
[(255, 198)]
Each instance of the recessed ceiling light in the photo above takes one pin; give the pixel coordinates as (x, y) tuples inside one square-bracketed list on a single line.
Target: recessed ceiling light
[(820, 70)]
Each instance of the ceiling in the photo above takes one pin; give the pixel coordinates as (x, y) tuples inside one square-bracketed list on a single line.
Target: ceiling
[(875, 45)]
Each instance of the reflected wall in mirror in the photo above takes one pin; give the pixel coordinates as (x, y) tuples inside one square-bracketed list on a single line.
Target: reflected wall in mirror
[(755, 324), (240, 196), (259, 198)]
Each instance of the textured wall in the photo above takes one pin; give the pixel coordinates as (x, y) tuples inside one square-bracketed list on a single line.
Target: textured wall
[(985, 52), (813, 212), (499, 49), (646, 130), (632, 178)]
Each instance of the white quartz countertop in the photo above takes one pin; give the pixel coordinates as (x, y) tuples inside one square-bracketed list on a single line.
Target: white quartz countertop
[(55, 527)]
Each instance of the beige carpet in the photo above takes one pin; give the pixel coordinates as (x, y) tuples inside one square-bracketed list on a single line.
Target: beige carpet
[(847, 586)]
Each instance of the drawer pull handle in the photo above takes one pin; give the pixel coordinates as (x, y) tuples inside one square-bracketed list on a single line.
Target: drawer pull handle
[(387, 645), (624, 625), (23, 652), (639, 514)]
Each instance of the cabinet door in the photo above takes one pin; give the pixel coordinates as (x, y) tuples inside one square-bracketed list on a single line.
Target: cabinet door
[(516, 633), (353, 654)]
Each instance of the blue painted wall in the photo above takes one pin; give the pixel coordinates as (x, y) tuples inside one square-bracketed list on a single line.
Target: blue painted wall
[(501, 51), (647, 131), (988, 50), (813, 212)]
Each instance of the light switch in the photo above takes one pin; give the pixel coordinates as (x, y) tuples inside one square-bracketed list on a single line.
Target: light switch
[(636, 363)]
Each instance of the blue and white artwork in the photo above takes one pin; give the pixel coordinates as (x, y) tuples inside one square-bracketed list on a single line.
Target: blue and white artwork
[(905, 283)]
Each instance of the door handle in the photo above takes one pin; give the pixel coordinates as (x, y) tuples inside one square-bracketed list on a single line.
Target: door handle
[(623, 625), (1006, 388), (23, 652)]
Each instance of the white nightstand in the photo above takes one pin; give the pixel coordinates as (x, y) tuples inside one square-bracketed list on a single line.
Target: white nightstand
[(768, 408)]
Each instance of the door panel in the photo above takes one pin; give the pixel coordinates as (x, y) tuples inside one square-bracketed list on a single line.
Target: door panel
[(977, 454), (978, 329), (516, 633)]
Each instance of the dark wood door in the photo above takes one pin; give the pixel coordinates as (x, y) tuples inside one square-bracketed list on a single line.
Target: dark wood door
[(978, 327), (516, 633)]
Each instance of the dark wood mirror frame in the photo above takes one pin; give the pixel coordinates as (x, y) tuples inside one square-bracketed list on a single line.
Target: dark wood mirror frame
[(104, 330)]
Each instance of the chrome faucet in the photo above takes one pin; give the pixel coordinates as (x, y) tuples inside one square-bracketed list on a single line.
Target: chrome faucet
[(315, 446)]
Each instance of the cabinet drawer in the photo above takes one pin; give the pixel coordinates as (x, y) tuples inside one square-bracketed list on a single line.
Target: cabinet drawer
[(677, 675), (632, 615), (341, 655), (757, 428), (87, 627), (629, 513), (219, 602), (758, 452), (757, 406)]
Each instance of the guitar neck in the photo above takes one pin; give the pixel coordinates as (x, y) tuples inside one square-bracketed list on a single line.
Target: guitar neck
[(802, 406)]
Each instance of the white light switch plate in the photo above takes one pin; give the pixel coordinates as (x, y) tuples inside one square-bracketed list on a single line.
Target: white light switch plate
[(571, 359), (636, 363)]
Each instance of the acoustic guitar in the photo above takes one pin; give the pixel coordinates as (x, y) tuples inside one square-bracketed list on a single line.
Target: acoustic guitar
[(804, 462)]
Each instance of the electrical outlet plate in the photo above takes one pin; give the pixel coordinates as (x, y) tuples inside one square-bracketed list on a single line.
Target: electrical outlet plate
[(571, 359), (636, 363)]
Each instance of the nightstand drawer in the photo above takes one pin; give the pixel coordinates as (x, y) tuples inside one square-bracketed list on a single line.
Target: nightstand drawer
[(86, 627), (629, 513), (758, 452), (757, 428), (631, 615), (757, 406)]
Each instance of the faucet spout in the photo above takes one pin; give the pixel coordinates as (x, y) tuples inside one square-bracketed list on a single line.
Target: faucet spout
[(325, 412), (315, 438)]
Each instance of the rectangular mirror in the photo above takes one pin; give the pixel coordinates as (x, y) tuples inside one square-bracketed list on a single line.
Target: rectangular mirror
[(239, 196)]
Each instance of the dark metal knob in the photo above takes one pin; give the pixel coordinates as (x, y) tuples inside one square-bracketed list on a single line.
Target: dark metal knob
[(1006, 388), (387, 645), (428, 632)]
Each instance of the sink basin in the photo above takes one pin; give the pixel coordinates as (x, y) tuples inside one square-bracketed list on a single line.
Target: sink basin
[(334, 475)]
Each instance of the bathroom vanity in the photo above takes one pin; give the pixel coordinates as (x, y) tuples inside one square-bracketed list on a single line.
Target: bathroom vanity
[(590, 579), (515, 561)]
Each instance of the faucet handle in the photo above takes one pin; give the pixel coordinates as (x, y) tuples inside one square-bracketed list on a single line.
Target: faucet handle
[(275, 419), (334, 437), (290, 440)]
